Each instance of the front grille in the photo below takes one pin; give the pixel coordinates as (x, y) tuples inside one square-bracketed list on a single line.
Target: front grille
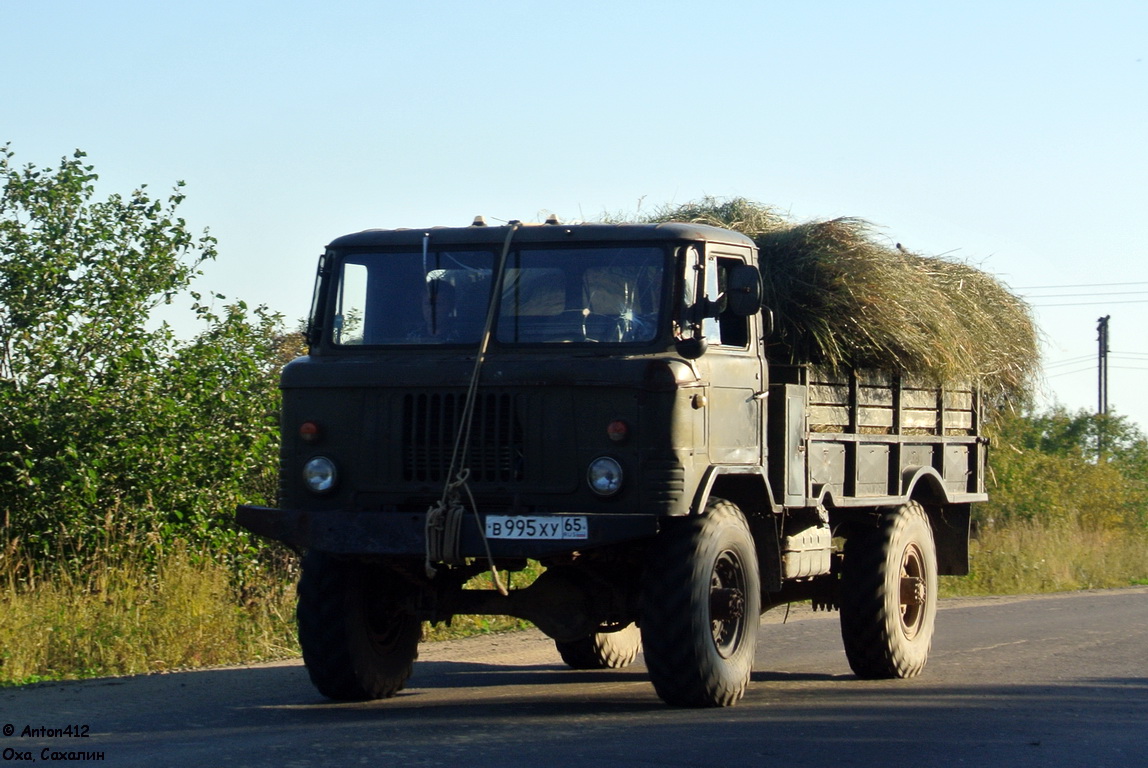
[(431, 424)]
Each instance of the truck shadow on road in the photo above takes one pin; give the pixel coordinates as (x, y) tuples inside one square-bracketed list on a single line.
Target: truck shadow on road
[(491, 708), (440, 675)]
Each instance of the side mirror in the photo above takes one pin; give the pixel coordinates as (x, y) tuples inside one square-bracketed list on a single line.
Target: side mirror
[(743, 289), (691, 348)]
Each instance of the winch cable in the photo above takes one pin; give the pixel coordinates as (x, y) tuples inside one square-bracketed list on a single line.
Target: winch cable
[(444, 519)]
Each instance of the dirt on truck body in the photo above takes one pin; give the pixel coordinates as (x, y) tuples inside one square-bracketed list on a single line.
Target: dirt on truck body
[(601, 399)]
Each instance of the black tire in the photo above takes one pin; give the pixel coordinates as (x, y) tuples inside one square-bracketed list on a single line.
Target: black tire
[(700, 606), (889, 595), (602, 650), (357, 643)]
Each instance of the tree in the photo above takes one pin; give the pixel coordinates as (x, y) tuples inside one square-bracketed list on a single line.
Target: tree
[(79, 278), (1058, 466), (109, 423)]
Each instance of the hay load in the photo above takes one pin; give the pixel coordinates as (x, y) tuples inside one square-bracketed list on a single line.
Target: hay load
[(842, 298)]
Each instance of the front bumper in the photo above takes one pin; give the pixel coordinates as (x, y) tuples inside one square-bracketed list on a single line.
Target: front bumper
[(404, 533)]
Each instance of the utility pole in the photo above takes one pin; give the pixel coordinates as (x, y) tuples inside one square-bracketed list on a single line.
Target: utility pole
[(1102, 366), (1102, 389)]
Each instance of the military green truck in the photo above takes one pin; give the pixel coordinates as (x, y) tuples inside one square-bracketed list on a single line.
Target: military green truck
[(605, 400)]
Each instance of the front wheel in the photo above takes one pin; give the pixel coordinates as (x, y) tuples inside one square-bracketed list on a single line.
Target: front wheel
[(889, 595), (358, 643), (602, 650), (700, 606)]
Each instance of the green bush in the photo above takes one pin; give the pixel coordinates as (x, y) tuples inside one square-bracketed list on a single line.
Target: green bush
[(111, 428), (1060, 467)]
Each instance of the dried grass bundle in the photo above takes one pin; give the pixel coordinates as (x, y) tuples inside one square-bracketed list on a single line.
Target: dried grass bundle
[(843, 298), (735, 213)]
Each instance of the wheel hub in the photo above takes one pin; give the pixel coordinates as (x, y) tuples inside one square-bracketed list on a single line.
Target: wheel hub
[(727, 604), (914, 592)]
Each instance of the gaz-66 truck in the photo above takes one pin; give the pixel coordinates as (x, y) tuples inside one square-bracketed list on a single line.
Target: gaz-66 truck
[(603, 400)]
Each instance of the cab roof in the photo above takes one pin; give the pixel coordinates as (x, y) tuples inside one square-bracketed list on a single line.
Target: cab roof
[(478, 235)]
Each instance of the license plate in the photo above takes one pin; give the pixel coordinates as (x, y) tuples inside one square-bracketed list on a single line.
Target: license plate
[(536, 527)]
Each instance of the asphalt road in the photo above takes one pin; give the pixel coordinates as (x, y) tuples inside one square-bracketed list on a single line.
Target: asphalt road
[(1038, 681)]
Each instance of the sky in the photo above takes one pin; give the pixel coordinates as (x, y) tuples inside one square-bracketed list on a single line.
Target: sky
[(1009, 134)]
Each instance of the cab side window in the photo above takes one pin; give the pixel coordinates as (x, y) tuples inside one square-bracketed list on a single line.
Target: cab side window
[(732, 330)]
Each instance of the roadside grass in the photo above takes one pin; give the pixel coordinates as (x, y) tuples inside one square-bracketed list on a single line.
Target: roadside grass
[(1029, 557), (131, 614), (176, 608)]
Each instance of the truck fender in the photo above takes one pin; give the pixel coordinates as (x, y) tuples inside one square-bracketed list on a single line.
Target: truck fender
[(950, 521), (748, 487), (924, 484)]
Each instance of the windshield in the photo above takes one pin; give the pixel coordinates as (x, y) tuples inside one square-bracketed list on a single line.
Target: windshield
[(602, 295)]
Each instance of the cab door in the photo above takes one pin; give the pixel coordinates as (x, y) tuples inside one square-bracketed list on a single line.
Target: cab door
[(736, 369)]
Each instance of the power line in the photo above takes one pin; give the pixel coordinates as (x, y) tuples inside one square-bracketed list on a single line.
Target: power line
[(1075, 285), (1089, 369), (1133, 356), (1069, 361), (1091, 303), (1105, 293), (1038, 300)]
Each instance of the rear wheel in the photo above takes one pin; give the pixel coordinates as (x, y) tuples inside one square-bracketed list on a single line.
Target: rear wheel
[(700, 606), (358, 643), (602, 650), (889, 595)]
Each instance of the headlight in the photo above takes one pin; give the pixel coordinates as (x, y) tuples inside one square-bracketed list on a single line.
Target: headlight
[(319, 474), (604, 476)]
